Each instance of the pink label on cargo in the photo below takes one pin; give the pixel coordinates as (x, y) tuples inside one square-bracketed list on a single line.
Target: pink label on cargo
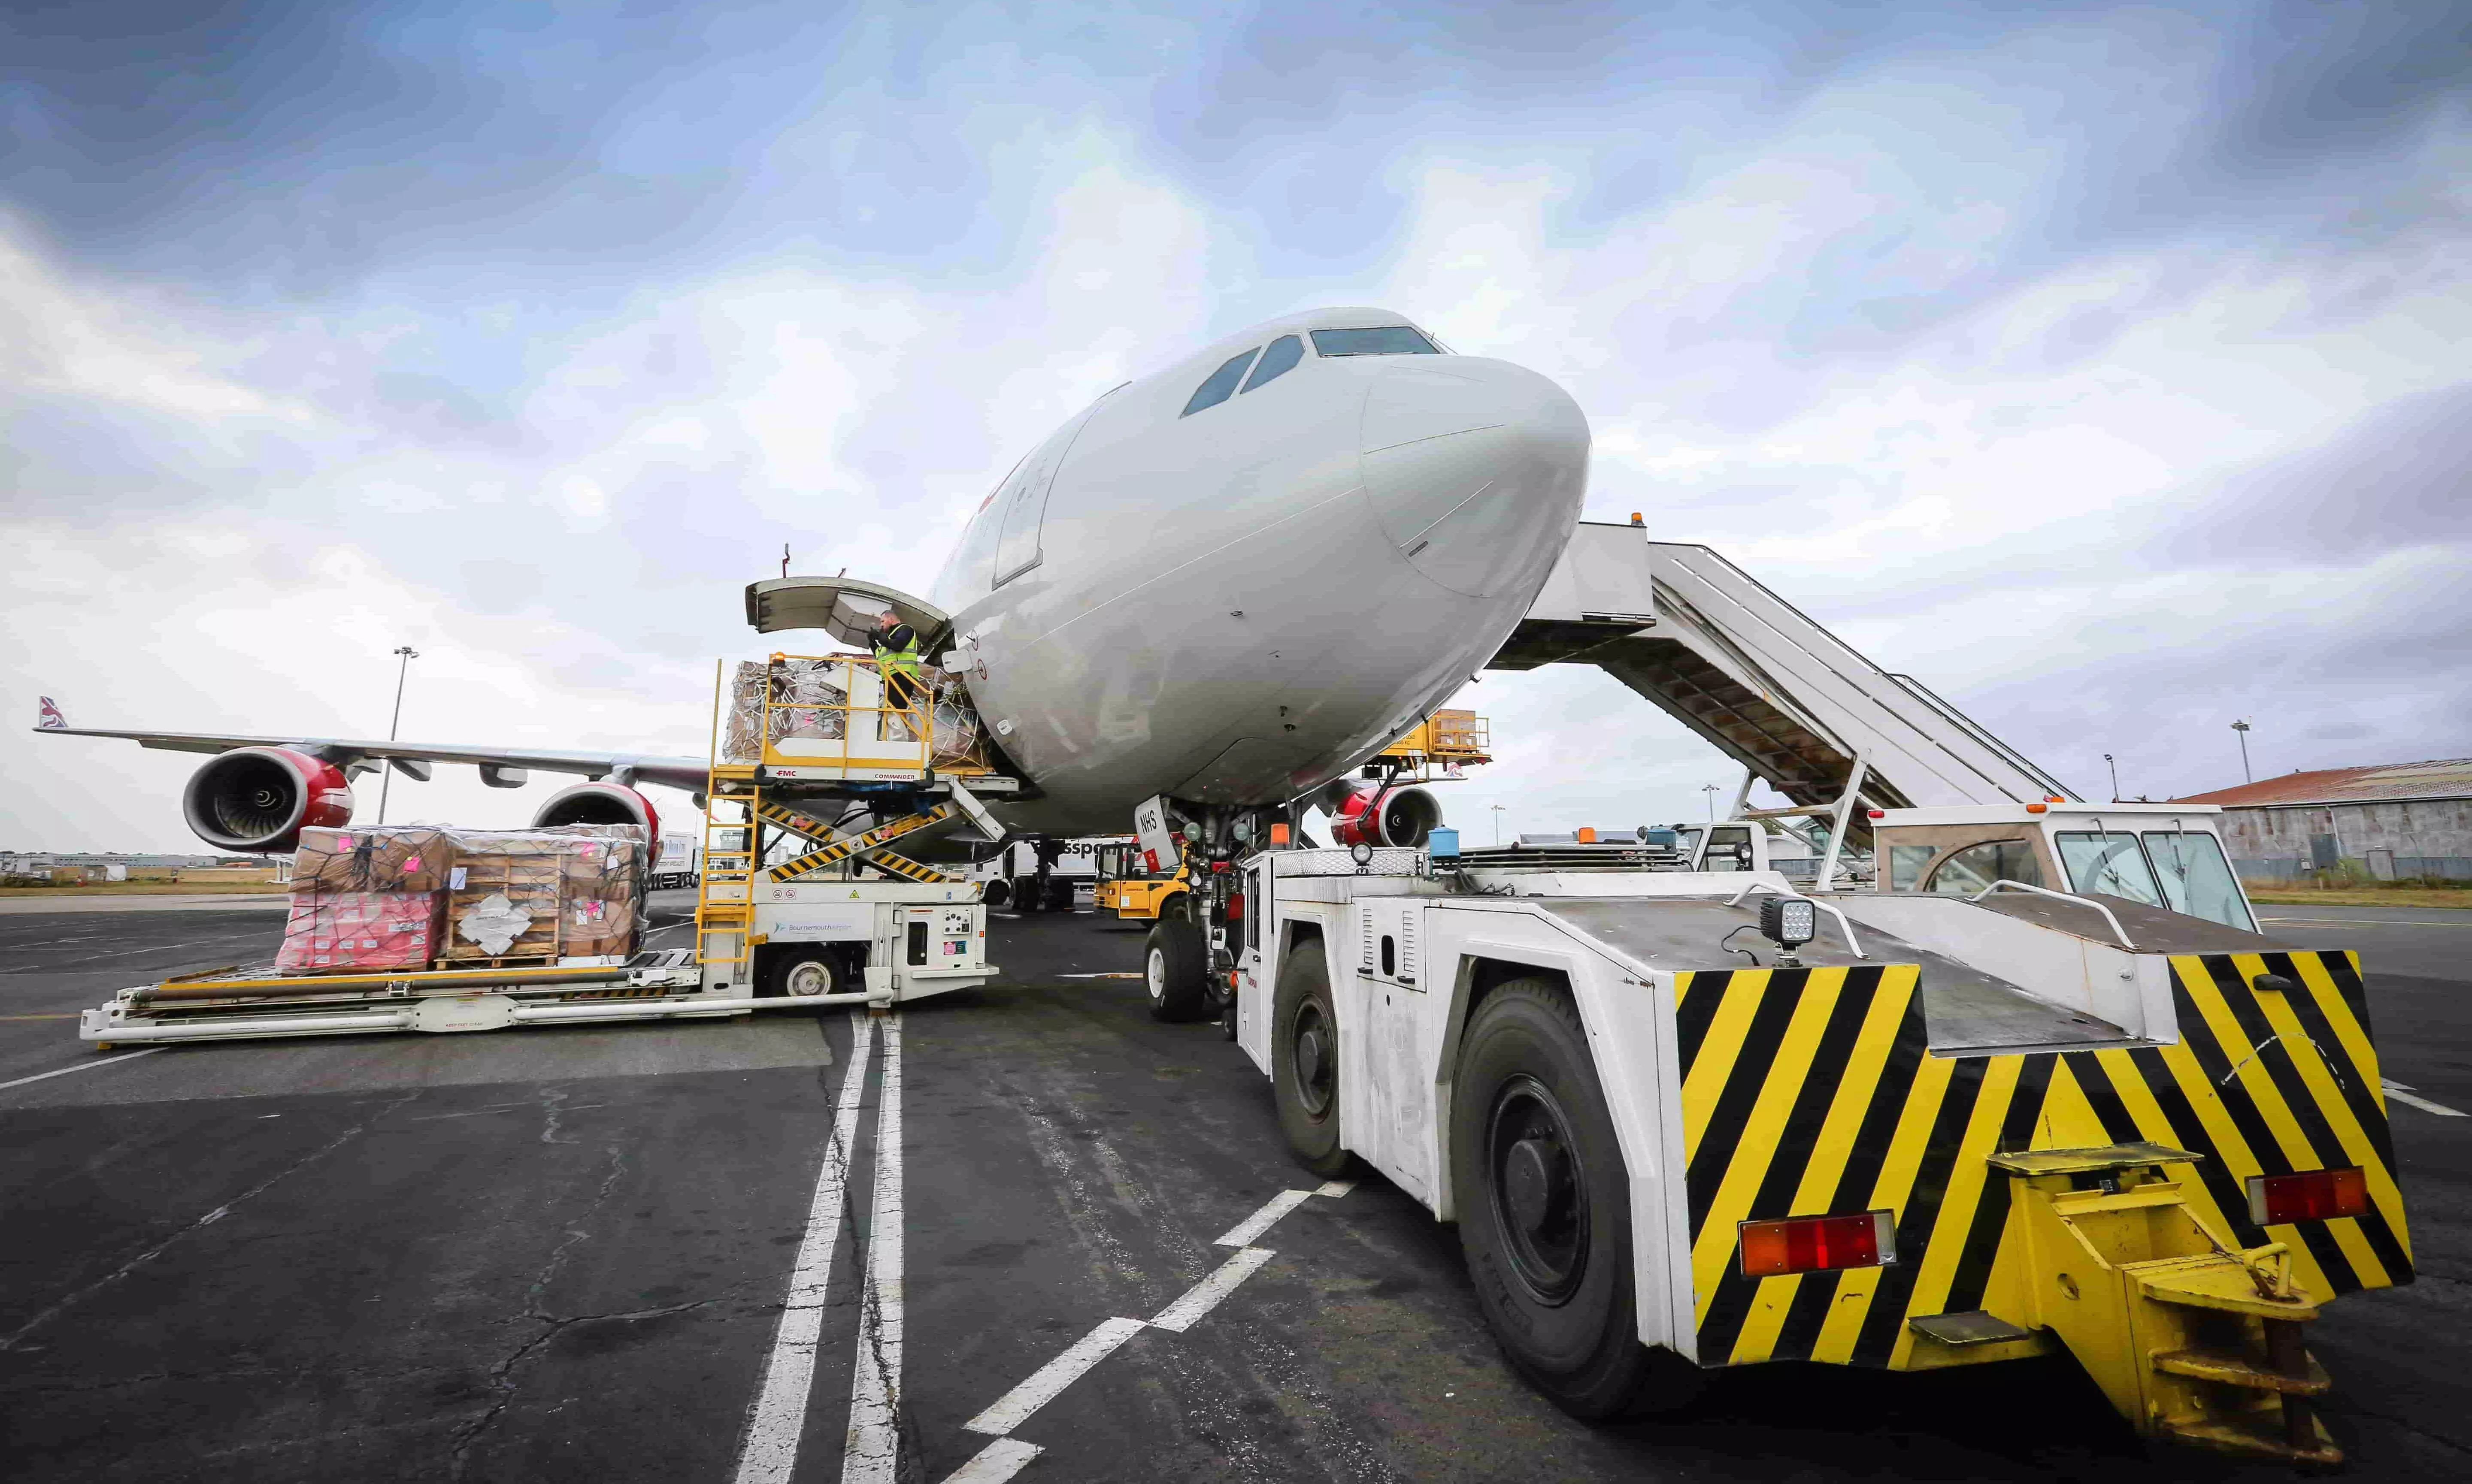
[(411, 864), (343, 842)]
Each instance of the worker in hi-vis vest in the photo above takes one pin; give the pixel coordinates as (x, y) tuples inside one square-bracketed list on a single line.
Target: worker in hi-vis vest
[(896, 654)]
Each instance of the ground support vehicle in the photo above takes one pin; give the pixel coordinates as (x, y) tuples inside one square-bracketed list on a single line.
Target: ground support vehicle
[(1043, 875), (794, 911), (1936, 1131)]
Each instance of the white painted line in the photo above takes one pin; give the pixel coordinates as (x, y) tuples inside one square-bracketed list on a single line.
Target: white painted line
[(1205, 1296), (994, 1463), (771, 1449), (1243, 1233), (1041, 1386), (2395, 1091), (1121, 976), (1335, 1188), (872, 1452), (82, 1066)]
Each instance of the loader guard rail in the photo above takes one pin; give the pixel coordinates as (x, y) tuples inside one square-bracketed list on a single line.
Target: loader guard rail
[(2095, 1199)]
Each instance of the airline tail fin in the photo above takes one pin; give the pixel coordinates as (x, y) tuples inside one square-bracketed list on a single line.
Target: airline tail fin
[(50, 720)]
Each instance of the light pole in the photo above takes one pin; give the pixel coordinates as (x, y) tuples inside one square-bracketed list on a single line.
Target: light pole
[(2241, 728), (405, 655), (1497, 824), (2115, 776), (1710, 789)]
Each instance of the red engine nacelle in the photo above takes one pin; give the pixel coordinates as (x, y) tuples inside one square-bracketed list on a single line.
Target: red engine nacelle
[(1370, 815), (261, 798), (602, 803)]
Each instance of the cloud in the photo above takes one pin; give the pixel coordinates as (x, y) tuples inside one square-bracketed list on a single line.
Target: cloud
[(2022, 344)]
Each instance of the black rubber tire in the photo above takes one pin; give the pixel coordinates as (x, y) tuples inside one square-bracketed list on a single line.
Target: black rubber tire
[(1059, 894), (998, 893), (1025, 894), (1544, 1202), (808, 969), (1305, 1086), (1174, 970)]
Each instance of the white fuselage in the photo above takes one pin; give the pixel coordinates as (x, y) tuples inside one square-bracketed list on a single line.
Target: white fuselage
[(1237, 604)]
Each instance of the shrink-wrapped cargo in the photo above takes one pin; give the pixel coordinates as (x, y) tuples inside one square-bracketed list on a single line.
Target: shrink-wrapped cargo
[(359, 931), (540, 895), (810, 700), (398, 857), (519, 896)]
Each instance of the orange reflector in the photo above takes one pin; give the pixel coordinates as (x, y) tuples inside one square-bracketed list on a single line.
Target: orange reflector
[(1587, 836), (2053, 798), (1817, 1245), (1278, 835), (2309, 1196), (2038, 809)]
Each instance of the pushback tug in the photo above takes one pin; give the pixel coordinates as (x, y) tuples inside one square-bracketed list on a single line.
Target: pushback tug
[(2032, 1081)]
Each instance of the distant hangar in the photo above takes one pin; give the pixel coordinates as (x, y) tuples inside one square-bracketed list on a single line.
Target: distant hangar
[(2388, 822)]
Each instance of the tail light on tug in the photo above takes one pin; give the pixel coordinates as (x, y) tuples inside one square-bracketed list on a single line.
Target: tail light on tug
[(1817, 1245), (261, 798), (2309, 1196)]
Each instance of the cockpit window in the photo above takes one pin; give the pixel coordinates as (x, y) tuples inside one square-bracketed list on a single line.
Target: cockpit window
[(1278, 361), (1391, 341), (1221, 386)]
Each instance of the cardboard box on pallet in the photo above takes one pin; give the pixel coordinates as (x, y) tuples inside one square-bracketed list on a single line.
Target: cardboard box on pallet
[(540, 895), (359, 931), (388, 858)]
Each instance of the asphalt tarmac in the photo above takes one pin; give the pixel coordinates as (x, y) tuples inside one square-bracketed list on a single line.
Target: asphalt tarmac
[(566, 1253)]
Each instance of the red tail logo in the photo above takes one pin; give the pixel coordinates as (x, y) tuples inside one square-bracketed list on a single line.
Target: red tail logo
[(51, 718)]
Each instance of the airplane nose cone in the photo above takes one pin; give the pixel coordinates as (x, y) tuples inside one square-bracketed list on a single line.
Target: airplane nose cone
[(1476, 469)]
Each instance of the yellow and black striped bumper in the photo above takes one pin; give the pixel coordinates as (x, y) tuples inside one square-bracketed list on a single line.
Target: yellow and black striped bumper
[(1813, 1091)]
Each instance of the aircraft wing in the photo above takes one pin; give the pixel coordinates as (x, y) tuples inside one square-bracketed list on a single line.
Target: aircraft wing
[(501, 766)]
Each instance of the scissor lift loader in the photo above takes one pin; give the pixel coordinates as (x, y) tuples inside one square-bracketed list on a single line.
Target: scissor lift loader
[(793, 912)]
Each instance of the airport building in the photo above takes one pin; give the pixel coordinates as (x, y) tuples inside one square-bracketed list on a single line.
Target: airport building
[(2389, 822)]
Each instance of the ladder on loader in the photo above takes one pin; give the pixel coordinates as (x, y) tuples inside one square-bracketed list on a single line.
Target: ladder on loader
[(1753, 675)]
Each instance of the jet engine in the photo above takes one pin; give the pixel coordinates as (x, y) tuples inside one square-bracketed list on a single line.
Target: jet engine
[(260, 798), (1371, 815), (602, 803)]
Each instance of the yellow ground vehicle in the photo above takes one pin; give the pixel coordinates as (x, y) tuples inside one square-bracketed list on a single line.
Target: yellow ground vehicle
[(1124, 891)]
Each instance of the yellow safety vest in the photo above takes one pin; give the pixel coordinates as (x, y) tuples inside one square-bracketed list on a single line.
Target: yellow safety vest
[(903, 661)]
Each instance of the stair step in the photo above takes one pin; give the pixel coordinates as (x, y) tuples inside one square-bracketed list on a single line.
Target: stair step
[(2230, 1369), (2232, 1438), (1974, 1326)]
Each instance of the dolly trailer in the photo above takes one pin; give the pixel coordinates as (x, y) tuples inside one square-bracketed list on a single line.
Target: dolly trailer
[(1674, 1125)]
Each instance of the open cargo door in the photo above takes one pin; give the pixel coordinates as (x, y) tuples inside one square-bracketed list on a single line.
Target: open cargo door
[(844, 607)]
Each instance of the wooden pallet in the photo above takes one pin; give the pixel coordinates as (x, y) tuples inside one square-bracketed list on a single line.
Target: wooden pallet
[(537, 884)]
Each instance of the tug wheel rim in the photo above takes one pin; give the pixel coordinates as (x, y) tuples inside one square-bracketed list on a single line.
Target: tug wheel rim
[(1155, 974), (1316, 1070), (1539, 1189), (809, 978)]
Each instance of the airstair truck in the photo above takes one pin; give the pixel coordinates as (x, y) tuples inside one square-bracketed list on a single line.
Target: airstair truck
[(2017, 1097)]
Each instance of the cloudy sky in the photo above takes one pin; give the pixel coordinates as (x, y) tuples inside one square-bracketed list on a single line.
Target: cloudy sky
[(2103, 366)]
